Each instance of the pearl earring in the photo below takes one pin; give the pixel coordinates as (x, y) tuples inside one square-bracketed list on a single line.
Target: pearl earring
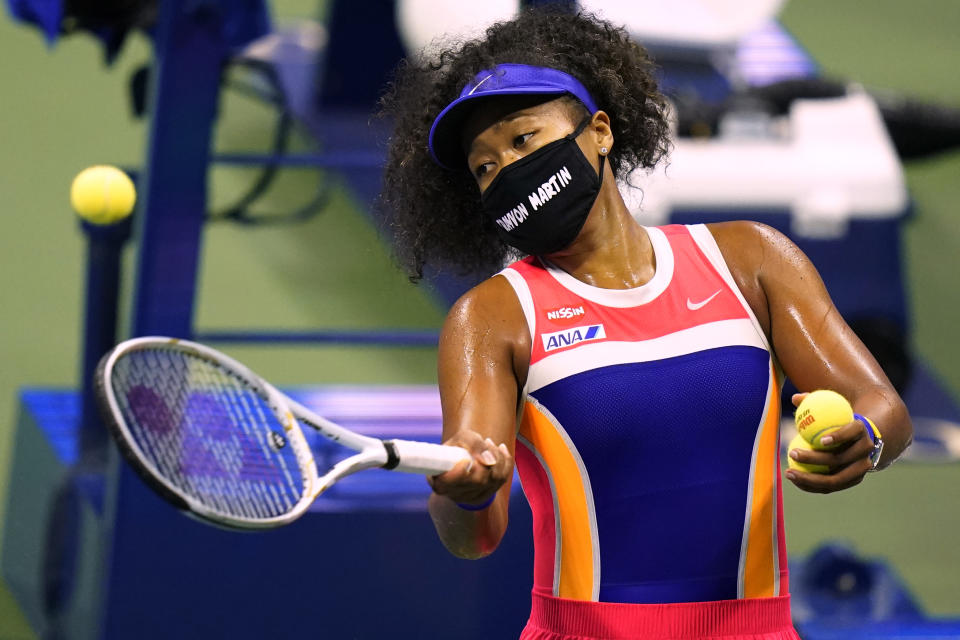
[(603, 150)]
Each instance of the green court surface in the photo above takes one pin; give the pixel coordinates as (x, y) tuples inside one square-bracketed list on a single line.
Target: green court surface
[(62, 109)]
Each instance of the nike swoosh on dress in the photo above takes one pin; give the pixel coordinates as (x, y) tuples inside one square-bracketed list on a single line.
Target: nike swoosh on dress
[(693, 306)]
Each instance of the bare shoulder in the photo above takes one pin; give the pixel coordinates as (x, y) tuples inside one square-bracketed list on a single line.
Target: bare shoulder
[(490, 304), (746, 240), (751, 251), (488, 321), (764, 253), (745, 246), (771, 271)]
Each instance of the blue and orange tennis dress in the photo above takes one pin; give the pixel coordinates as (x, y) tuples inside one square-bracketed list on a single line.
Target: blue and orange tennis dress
[(648, 450)]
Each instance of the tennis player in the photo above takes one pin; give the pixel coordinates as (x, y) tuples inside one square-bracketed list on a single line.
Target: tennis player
[(632, 373)]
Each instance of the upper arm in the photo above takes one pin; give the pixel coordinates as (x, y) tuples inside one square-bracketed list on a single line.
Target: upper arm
[(483, 358), (814, 345)]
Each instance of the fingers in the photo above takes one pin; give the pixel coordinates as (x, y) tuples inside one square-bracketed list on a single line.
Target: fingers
[(847, 462), (845, 435), (797, 398), (489, 454), (844, 478), (474, 481)]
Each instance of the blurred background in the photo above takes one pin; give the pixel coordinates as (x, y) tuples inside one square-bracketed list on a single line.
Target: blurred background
[(63, 108)]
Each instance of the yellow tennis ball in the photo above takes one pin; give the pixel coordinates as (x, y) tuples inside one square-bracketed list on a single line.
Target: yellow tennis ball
[(799, 443), (102, 194), (822, 412)]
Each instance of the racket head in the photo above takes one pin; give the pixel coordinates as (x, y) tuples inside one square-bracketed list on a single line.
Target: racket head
[(206, 433)]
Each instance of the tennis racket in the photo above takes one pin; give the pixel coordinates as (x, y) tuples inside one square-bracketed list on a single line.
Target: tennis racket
[(225, 446)]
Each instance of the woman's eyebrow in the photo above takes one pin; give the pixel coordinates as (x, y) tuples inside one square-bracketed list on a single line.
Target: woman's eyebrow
[(516, 115), (471, 147)]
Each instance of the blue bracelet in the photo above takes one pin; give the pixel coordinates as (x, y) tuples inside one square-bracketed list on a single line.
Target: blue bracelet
[(478, 507), (868, 425)]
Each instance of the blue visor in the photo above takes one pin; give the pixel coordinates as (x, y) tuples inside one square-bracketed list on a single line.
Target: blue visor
[(502, 80)]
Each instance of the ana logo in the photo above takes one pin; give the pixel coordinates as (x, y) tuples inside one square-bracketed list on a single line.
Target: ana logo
[(565, 313), (573, 336)]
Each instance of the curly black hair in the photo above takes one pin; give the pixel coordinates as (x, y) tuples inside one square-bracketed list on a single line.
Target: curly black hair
[(435, 213)]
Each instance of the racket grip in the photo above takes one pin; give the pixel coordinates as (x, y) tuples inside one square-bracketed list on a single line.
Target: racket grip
[(426, 458)]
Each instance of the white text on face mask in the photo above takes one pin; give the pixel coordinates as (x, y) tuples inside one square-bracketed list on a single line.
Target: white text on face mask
[(513, 218)]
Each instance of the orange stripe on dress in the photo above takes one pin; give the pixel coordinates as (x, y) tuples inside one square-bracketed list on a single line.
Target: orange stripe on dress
[(759, 573), (576, 547)]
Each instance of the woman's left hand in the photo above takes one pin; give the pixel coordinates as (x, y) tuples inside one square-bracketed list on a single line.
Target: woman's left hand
[(848, 462)]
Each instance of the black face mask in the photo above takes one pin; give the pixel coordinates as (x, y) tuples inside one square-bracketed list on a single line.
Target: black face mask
[(540, 202)]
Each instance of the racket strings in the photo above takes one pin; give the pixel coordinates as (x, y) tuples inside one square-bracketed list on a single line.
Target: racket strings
[(208, 433)]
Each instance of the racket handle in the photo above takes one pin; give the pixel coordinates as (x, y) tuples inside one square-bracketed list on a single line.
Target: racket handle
[(426, 458)]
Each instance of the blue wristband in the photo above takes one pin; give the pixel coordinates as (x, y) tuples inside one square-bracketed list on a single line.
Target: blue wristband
[(868, 425), (875, 437), (477, 507)]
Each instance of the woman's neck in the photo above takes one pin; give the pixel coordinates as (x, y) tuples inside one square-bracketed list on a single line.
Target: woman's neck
[(612, 251)]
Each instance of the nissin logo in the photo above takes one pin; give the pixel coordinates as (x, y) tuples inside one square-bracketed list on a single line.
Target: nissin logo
[(573, 336), (565, 313)]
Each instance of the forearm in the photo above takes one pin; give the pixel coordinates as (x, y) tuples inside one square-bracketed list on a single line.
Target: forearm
[(469, 534), (888, 412)]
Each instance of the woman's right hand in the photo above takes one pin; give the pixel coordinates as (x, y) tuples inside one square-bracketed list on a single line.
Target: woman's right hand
[(476, 480)]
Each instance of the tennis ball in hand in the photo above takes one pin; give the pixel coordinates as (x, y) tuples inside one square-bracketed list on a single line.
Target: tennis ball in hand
[(822, 412), (102, 194), (799, 443)]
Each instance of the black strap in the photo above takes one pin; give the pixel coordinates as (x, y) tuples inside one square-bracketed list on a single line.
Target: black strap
[(392, 458)]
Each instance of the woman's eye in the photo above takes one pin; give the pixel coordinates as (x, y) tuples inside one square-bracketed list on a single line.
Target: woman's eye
[(482, 170), (521, 139)]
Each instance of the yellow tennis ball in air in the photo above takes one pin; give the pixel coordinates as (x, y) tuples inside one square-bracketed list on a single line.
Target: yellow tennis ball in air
[(102, 194), (822, 412), (799, 443)]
